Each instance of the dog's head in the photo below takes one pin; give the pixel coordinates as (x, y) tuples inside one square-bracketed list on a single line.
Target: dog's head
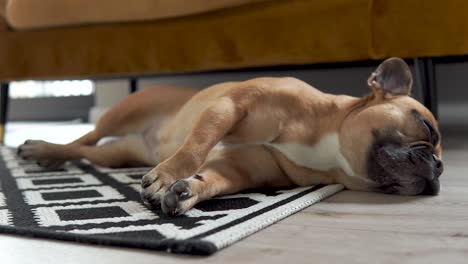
[(392, 141)]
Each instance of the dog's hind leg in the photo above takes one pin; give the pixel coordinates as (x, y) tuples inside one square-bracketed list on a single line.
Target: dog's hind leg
[(129, 150), (53, 155), (90, 138)]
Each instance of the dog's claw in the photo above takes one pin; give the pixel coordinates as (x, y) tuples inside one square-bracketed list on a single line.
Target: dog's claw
[(145, 183), (184, 195)]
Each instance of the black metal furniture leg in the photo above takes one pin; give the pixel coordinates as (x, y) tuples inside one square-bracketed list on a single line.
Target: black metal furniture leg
[(133, 84), (4, 91), (426, 81)]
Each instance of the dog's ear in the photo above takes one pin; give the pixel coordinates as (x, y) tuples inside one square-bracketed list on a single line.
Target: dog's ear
[(393, 76)]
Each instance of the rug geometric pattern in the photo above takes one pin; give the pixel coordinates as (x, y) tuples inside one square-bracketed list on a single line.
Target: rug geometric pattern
[(89, 204)]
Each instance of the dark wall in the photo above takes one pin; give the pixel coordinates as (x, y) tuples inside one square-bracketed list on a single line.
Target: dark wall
[(50, 109)]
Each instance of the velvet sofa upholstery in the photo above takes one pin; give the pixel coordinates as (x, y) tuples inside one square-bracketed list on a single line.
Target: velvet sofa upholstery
[(237, 35)]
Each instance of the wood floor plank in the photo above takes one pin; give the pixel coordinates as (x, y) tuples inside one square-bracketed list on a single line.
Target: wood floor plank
[(311, 244)]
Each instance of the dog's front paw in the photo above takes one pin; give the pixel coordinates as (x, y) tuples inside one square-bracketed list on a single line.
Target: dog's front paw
[(154, 185), (178, 198)]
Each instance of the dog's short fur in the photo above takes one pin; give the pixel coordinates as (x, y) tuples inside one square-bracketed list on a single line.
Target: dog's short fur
[(264, 132)]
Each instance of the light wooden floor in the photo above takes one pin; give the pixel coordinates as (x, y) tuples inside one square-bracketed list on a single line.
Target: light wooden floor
[(350, 227)]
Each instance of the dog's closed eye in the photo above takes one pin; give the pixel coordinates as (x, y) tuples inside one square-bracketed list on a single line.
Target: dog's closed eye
[(432, 135), (419, 145)]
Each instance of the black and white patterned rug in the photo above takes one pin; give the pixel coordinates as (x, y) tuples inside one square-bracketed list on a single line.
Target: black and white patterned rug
[(87, 204)]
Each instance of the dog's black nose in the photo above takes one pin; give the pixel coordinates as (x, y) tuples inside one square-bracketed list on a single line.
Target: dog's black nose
[(439, 166), (432, 187)]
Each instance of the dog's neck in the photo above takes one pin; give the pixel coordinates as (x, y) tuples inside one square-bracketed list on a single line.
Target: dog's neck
[(343, 106), (321, 151)]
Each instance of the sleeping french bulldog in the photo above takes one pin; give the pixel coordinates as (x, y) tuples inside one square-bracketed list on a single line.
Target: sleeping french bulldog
[(264, 132)]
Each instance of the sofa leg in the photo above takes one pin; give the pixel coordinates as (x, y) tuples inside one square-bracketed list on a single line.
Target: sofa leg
[(4, 91), (133, 84), (426, 81)]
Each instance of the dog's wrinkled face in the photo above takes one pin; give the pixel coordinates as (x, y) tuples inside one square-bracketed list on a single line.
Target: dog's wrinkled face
[(399, 148), (399, 164)]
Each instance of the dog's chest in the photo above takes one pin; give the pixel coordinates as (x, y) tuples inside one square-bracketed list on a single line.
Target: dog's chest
[(324, 155)]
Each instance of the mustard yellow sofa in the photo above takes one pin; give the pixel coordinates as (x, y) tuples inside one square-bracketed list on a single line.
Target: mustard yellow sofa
[(56, 39)]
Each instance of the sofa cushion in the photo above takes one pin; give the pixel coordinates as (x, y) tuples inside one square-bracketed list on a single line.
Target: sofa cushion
[(3, 25), (29, 14), (418, 28), (262, 34), (2, 8)]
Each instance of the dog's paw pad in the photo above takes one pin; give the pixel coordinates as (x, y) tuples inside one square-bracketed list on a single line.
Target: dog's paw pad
[(177, 193)]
